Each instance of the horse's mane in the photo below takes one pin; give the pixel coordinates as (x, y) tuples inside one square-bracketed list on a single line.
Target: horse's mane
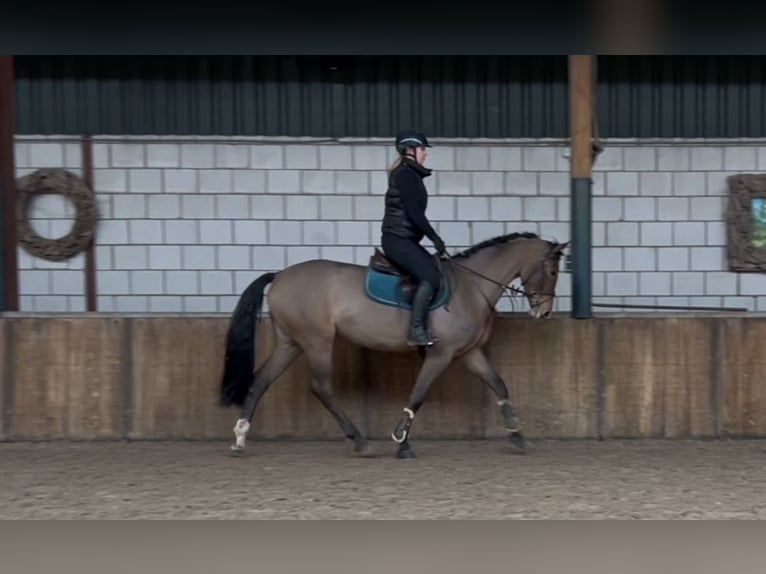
[(499, 240)]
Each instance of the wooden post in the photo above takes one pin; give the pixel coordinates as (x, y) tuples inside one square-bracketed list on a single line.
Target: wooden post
[(581, 86), (9, 285), (90, 255)]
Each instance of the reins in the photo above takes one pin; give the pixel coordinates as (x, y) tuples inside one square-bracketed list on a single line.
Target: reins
[(507, 290)]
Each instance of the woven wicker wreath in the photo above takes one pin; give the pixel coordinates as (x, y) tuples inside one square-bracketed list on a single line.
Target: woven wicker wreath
[(62, 182)]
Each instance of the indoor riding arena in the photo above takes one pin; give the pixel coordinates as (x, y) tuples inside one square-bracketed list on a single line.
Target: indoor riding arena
[(143, 195)]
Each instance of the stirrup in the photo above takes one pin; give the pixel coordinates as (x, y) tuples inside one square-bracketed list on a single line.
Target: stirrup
[(420, 337)]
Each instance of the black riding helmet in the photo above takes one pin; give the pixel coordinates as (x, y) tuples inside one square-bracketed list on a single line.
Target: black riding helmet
[(410, 139)]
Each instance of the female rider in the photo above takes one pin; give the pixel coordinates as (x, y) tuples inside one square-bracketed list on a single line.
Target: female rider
[(404, 226)]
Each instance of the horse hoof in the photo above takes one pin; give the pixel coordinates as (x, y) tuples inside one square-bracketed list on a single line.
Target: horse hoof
[(236, 451), (518, 443), (364, 450), (405, 454)]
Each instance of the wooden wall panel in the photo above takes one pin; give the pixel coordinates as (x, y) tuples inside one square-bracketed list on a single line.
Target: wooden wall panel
[(111, 377), (6, 361), (743, 372), (629, 385), (67, 378), (683, 351), (658, 378), (174, 379)]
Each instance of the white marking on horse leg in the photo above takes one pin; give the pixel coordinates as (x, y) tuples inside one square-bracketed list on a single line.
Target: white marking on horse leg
[(240, 432)]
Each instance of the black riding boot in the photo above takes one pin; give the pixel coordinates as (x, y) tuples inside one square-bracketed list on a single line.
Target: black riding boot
[(419, 334)]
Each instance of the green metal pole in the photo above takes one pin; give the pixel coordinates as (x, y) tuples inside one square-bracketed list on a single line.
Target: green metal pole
[(581, 247)]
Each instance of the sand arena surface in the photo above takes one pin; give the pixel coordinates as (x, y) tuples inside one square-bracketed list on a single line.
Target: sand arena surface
[(315, 480)]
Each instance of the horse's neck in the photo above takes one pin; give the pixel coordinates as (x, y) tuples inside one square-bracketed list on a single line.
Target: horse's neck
[(498, 264)]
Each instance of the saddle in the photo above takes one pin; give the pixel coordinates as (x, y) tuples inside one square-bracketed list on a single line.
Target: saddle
[(383, 264), (387, 283)]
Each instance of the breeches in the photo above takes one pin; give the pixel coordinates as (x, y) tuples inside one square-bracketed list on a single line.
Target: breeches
[(412, 258)]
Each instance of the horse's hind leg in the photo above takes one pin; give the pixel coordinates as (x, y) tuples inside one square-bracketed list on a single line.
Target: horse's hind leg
[(478, 364), (320, 363), (285, 352)]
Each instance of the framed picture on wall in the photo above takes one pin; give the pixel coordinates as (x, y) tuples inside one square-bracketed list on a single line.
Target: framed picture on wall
[(746, 222)]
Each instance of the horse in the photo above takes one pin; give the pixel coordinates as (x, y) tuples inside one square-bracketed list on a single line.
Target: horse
[(312, 302)]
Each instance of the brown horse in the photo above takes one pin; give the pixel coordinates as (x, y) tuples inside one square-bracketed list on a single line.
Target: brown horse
[(312, 302)]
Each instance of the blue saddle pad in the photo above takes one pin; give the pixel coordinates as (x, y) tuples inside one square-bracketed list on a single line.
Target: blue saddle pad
[(386, 288)]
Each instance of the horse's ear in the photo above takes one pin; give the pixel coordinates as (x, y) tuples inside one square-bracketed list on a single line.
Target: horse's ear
[(560, 247)]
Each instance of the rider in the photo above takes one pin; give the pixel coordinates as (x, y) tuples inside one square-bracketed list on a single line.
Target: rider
[(404, 226)]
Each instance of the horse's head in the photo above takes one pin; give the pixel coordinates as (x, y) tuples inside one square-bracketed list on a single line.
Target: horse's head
[(520, 254), (539, 275)]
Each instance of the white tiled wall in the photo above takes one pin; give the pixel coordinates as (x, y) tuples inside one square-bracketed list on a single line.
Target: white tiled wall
[(187, 224)]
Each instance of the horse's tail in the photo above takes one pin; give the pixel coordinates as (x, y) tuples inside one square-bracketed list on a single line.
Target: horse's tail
[(239, 360)]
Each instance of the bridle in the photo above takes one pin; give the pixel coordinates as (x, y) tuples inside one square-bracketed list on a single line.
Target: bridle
[(508, 290)]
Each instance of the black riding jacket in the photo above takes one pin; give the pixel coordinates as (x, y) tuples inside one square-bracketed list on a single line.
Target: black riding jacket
[(406, 201)]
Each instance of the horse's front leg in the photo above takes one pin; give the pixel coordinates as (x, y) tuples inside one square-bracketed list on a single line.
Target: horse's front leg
[(477, 363), (436, 361)]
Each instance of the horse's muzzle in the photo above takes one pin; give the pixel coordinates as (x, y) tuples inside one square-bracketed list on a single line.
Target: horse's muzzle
[(538, 313)]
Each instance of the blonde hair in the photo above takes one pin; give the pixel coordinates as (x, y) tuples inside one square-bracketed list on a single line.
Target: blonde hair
[(397, 163)]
